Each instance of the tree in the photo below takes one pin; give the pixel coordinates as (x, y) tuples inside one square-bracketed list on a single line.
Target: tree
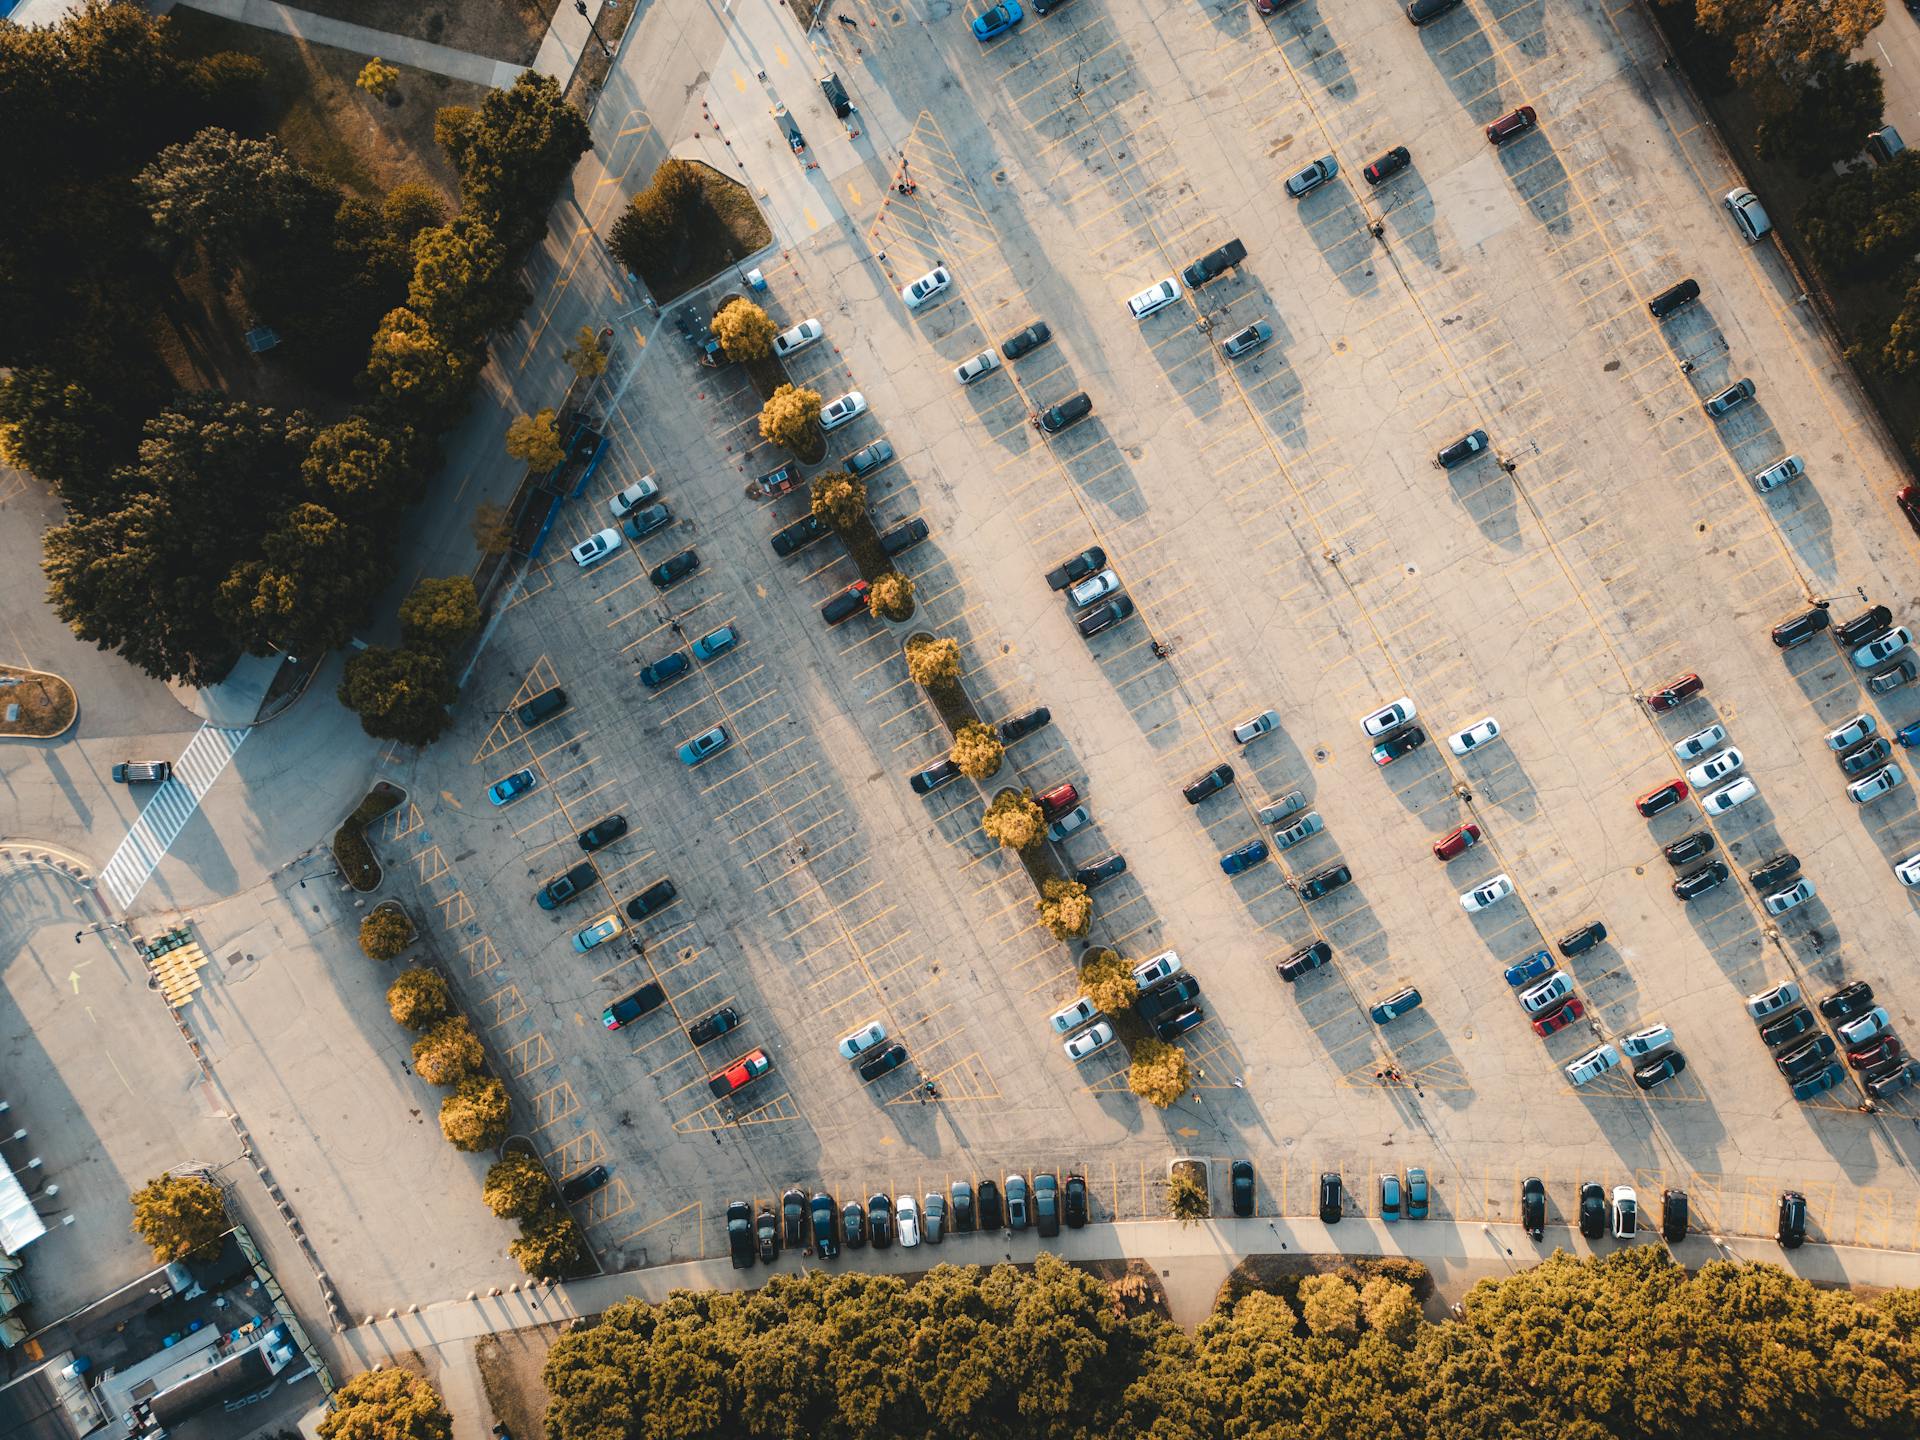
[(420, 377), (744, 331), (517, 1186), (491, 528), (418, 997), (411, 207), (977, 750), (463, 285), (385, 933), (536, 440), (1187, 1198), (1160, 1073), (933, 662), (512, 153), (1901, 353), (312, 586), (791, 418), (838, 498), (1107, 980), (1330, 1306), (377, 77), (440, 615), (549, 1245), (1777, 42), (219, 190), (389, 1404), (474, 1117), (232, 90), (57, 428), (1867, 221), (179, 1216), (399, 694), (1065, 908), (588, 356), (661, 222), (1825, 118), (1012, 819), (357, 467), (1391, 1310), (891, 597), (449, 1052)]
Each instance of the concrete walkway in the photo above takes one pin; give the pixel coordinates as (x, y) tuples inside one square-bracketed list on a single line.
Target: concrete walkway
[(363, 40)]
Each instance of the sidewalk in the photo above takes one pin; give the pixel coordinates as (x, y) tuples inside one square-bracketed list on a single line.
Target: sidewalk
[(363, 40)]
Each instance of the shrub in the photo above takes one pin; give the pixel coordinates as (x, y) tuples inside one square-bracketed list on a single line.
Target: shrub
[(179, 1215), (491, 528), (549, 1244), (448, 1053), (891, 597), (839, 499), (536, 440), (977, 750), (440, 614), (1013, 819), (377, 77), (1065, 908), (744, 331), (1187, 1199), (357, 864), (398, 694), (517, 1186), (389, 1404), (791, 419), (588, 356), (1160, 1073), (418, 997), (1107, 980), (1330, 1306), (933, 663), (385, 933), (474, 1117)]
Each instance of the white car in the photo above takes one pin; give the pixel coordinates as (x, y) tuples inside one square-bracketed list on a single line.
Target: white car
[(1863, 1028), (1699, 742), (1595, 1063), (1644, 1042), (906, 1219), (1156, 297), (1071, 1017), (1482, 897), (926, 287), (1871, 787), (1728, 796), (1763, 1003), (798, 338), (1749, 215), (1149, 973), (1779, 473), (1094, 587), (1782, 901), (1392, 717), (1881, 646), (1474, 736), (1545, 995), (595, 548), (861, 1040), (1094, 1037), (1252, 729), (1908, 870), (634, 496), (1852, 733), (1715, 767), (1626, 1208), (985, 363), (836, 413), (1077, 818)]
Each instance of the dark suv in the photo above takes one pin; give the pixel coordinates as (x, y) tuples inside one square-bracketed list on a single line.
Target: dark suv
[(562, 888), (1863, 627), (1211, 783), (1705, 880), (800, 534), (848, 603), (1302, 961), (1800, 628), (656, 896), (1176, 992), (1214, 264), (1090, 561), (547, 702), (1315, 887), (1388, 165), (1068, 412), (1792, 1229)]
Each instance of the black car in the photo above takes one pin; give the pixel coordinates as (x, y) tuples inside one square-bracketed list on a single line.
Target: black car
[(547, 702), (603, 832), (1242, 1185), (1401, 742), (1330, 1208), (1176, 1023), (1798, 629), (1095, 875), (989, 1205), (1659, 1070), (1211, 783), (880, 1220), (1593, 1211), (1214, 264), (1069, 411), (740, 1234), (712, 1027), (1892, 1078), (674, 567), (1791, 1231), (1090, 561), (654, 898), (934, 776), (1420, 12), (853, 1224), (1075, 1205), (1863, 627), (1848, 1001), (583, 1184), (1704, 881), (1021, 726), (1578, 942), (1315, 887), (562, 888), (1031, 338), (800, 534), (891, 1058), (848, 603), (904, 536), (766, 1230), (667, 667), (1533, 1207), (1388, 165), (960, 1218), (1673, 1216), (647, 519), (1104, 617), (1775, 871), (1046, 1204), (793, 1210), (1864, 756), (644, 1001), (1805, 1059), (1790, 1026), (836, 94), (1689, 848), (1473, 443), (1303, 961), (826, 1240), (1175, 992)]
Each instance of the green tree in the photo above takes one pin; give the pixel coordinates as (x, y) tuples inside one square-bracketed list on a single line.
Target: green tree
[(1160, 1073), (1391, 1310), (933, 662), (418, 997), (449, 1052), (219, 191), (891, 597), (389, 1404), (837, 497), (232, 90), (491, 528), (791, 419), (358, 468), (385, 934), (475, 1116), (463, 286), (1187, 1198), (179, 1216), (440, 615), (517, 1186), (1330, 1306), (744, 331), (325, 283), (377, 77), (977, 750), (409, 208), (57, 428), (1776, 43), (1108, 981), (1826, 118), (313, 584), (587, 355), (662, 221), (1065, 908), (512, 153), (535, 439), (1866, 222), (418, 375), (1012, 819), (549, 1245), (1901, 352), (399, 694)]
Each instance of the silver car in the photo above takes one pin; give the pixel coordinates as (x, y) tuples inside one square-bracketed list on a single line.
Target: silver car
[(1094, 587), (1308, 824), (1278, 810), (1245, 342), (1306, 181)]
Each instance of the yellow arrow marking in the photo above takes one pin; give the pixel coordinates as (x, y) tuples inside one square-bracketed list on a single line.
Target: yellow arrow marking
[(780, 54), (812, 224), (853, 191), (447, 795), (739, 82)]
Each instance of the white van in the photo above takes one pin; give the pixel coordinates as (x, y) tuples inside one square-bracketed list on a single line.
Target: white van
[(1158, 297), (1596, 1061)]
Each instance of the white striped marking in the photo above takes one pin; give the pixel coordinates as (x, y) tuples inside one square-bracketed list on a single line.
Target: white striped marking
[(168, 812)]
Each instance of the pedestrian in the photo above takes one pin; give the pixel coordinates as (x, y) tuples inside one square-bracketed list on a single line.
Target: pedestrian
[(882, 255)]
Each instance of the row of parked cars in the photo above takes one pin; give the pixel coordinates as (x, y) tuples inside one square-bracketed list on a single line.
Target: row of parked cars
[(1862, 1030)]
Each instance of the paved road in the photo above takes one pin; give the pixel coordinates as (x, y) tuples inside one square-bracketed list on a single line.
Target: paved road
[(1895, 46)]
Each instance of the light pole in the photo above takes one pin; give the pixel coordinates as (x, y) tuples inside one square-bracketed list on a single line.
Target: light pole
[(581, 6)]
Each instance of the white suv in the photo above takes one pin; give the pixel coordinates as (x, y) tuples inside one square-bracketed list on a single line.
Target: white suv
[(836, 413), (1157, 297), (926, 287), (985, 363)]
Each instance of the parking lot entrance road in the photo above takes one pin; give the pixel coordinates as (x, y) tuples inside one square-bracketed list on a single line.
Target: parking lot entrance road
[(166, 814)]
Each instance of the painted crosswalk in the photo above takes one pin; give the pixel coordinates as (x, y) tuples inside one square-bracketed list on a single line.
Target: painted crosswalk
[(167, 813)]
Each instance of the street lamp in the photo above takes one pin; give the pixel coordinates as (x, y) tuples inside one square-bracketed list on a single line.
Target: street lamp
[(581, 6)]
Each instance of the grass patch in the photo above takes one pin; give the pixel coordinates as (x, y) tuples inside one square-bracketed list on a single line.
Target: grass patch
[(510, 1374), (499, 29), (47, 703), (591, 73), (730, 228), (350, 846)]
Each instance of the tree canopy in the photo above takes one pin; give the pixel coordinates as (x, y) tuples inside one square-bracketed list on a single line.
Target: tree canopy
[(179, 1215)]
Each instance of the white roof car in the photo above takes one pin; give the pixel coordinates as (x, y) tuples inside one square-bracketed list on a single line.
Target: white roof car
[(636, 494), (798, 338), (1782, 901), (1699, 742), (1771, 1001), (1068, 1017), (1155, 297), (926, 287), (1749, 215), (1474, 736), (1779, 473), (1728, 796), (1715, 767), (1872, 787), (1908, 870), (1255, 726), (1308, 824), (906, 1218), (836, 413), (1151, 972), (982, 364), (1077, 818), (1881, 646), (1644, 1042), (1482, 896), (1863, 1028), (595, 548), (1596, 1061), (1093, 588), (1278, 810), (1852, 733), (1094, 1037), (1389, 718), (1547, 993), (1626, 1207), (865, 1038)]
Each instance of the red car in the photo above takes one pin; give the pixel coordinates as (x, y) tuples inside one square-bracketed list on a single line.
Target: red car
[(1456, 842), (742, 1073), (1665, 798), (1668, 696), (1909, 501), (1507, 126), (1865, 1057), (1058, 801), (1560, 1019)]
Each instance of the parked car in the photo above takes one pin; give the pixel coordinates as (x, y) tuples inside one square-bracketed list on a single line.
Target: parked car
[(1533, 1206), (904, 536), (880, 1220), (1531, 968), (547, 702), (1302, 183), (1388, 717), (705, 745), (1389, 1197), (1800, 628), (926, 287), (968, 371), (766, 1230), (1749, 215), (1626, 1212), (1388, 165), (906, 1211), (990, 1213), (826, 1242), (1456, 842), (1673, 299), (598, 933), (1867, 755), (158, 772), (1673, 1216), (595, 548), (1512, 125), (1417, 1195), (1790, 1026), (960, 1193), (853, 1224), (1077, 818), (1720, 801), (933, 1216), (1213, 264), (1593, 1210), (1046, 1204), (1703, 881), (1031, 338), (1018, 1215), (674, 568), (737, 1076), (1389, 1008), (1781, 901), (1700, 742), (1465, 742), (1088, 562), (1210, 782), (1093, 588), (848, 603), (715, 643), (655, 897), (1486, 895), (869, 457), (1846, 1002), (1892, 1080), (926, 781), (1875, 620), (1302, 961), (1554, 1023), (562, 888), (1883, 781), (883, 1061), (856, 1043), (1689, 848), (1846, 736), (996, 20), (624, 1012), (842, 410), (1578, 942), (1330, 1205), (1425, 12), (1772, 1000), (1819, 1084), (666, 668), (1323, 884), (1881, 646), (740, 1234), (794, 538), (1238, 862), (1246, 340), (1544, 995), (1104, 617), (1661, 798), (1863, 1028), (1240, 1187), (1674, 693), (1790, 1220), (1308, 824), (1730, 399), (790, 342), (1659, 1070), (1254, 726), (503, 792), (1094, 1038), (712, 1026), (1590, 1066), (1154, 298), (1401, 742), (1901, 672), (1150, 973), (1788, 468), (1070, 411), (602, 833), (1096, 873), (1021, 726), (1452, 457)]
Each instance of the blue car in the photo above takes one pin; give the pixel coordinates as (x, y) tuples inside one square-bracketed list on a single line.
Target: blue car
[(1909, 735), (997, 19), (717, 643), (1536, 964), (1416, 1193), (1389, 1197), (667, 667), (704, 745), (1238, 862), (511, 788)]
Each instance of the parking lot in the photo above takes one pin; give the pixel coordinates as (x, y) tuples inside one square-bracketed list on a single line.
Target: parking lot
[(1286, 537)]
